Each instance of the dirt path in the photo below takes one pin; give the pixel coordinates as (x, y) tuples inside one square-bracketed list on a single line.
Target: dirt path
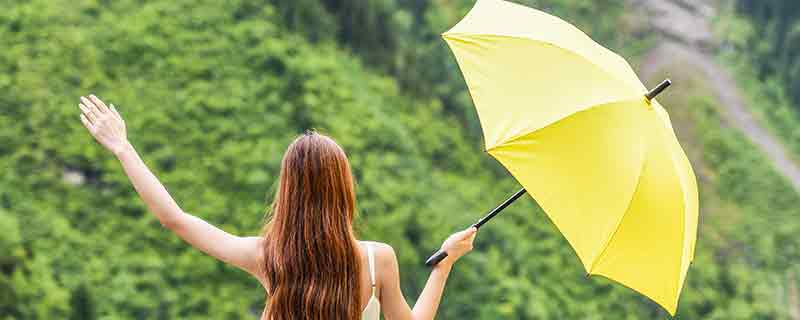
[(688, 39)]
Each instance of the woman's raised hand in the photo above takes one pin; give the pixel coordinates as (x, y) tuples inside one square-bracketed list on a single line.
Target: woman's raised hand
[(458, 244), (104, 123)]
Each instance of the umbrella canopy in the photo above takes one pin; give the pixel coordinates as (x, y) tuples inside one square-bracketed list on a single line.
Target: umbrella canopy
[(570, 121)]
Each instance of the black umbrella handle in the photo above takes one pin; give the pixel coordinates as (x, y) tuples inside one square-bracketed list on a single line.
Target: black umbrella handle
[(440, 255), (435, 258)]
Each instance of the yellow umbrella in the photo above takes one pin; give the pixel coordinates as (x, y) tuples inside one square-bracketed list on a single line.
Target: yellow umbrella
[(574, 124)]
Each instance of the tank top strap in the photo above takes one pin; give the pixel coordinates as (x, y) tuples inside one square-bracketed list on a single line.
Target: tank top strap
[(371, 258)]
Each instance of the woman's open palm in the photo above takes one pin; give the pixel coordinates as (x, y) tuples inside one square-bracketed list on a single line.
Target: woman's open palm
[(104, 123)]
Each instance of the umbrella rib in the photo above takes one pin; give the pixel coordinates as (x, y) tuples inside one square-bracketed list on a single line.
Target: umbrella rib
[(619, 223), (682, 277)]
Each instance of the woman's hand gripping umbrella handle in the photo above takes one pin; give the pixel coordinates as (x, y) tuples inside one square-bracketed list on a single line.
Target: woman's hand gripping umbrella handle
[(442, 253)]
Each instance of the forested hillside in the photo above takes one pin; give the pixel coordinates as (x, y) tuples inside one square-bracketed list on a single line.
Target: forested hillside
[(775, 40), (762, 41), (212, 93)]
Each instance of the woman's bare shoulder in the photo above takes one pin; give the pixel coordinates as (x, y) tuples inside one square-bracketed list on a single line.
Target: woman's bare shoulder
[(384, 253), (380, 247)]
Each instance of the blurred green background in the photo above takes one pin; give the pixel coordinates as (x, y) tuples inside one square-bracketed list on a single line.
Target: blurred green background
[(213, 92)]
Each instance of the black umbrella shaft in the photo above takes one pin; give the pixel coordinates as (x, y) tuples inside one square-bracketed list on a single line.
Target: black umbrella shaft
[(499, 208), (440, 255)]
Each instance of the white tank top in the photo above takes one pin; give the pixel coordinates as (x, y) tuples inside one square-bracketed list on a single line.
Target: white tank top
[(373, 309)]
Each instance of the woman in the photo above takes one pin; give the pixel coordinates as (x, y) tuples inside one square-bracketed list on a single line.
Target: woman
[(307, 258)]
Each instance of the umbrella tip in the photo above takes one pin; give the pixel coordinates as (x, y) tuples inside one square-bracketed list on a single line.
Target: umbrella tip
[(658, 89)]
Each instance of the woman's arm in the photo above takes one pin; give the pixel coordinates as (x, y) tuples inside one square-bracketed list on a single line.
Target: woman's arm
[(393, 303), (107, 126)]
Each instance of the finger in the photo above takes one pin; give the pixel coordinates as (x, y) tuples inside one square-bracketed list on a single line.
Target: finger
[(99, 103), (115, 112), (464, 234), (469, 238), (88, 113), (470, 234), (86, 123), (470, 231), (88, 103)]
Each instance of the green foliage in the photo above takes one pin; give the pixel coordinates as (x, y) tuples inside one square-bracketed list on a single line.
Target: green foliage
[(769, 94), (767, 99), (774, 44), (747, 266), (212, 92)]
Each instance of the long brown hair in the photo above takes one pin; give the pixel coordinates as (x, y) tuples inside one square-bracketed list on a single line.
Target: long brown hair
[(311, 259)]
